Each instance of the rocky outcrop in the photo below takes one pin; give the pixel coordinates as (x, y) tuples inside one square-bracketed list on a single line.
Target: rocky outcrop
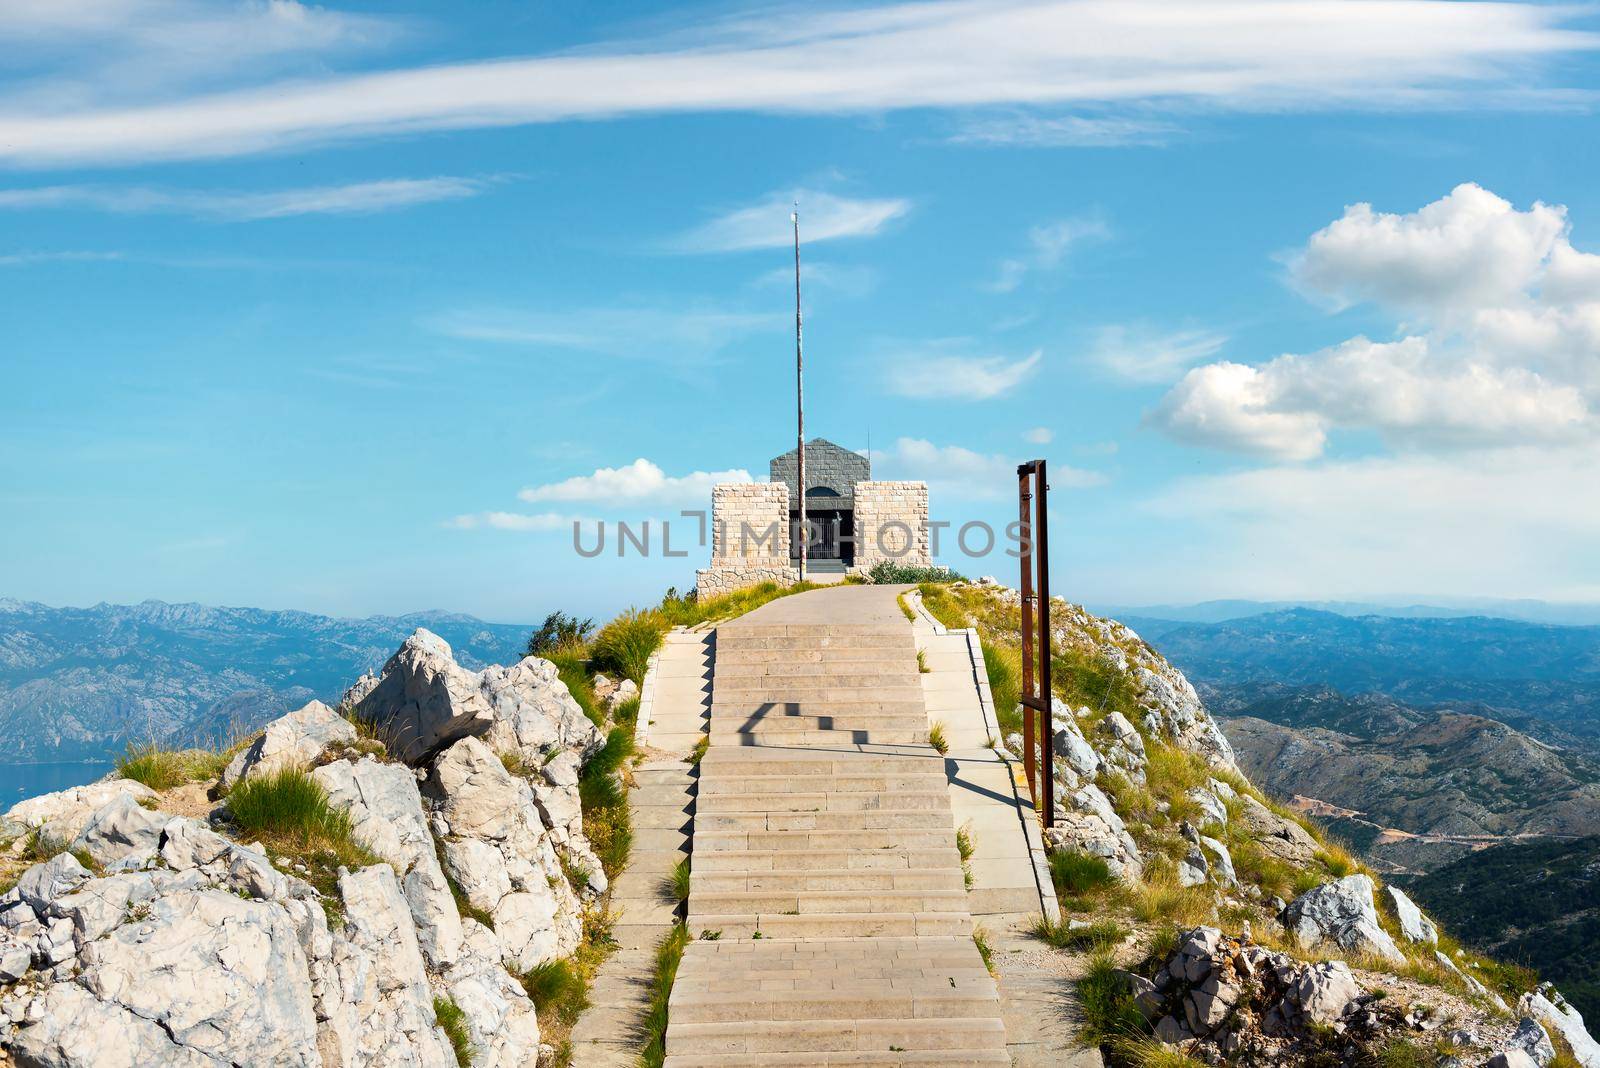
[(425, 701), (1549, 1008), (1414, 926), (386, 809), (1281, 837), (496, 849), (1086, 823), (61, 815), (1341, 913), (295, 740), (502, 1022)]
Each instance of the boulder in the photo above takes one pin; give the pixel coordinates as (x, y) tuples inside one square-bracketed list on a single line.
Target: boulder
[(1341, 913), (625, 691), (1323, 990), (121, 832), (61, 815), (1086, 823), (1414, 926), (1283, 838), (499, 853), (1547, 1006), (1511, 1058), (297, 739), (1121, 745), (425, 702), (1221, 862), (44, 882), (502, 1022), (1531, 1038), (385, 807), (1068, 742)]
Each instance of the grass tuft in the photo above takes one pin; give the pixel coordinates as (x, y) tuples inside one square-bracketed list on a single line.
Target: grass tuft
[(698, 753), (1076, 874), (937, 739), (163, 769), (454, 1023), (289, 812), (679, 881), (980, 938), (1109, 1014), (669, 954), (626, 644), (1098, 937), (557, 990), (606, 820)]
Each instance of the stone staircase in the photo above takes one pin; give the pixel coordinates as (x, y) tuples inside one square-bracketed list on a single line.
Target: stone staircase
[(827, 896)]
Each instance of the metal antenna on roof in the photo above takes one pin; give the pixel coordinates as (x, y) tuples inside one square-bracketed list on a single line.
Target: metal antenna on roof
[(799, 392)]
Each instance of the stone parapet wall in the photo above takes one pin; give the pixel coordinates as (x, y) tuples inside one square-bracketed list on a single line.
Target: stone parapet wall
[(891, 523), (716, 581)]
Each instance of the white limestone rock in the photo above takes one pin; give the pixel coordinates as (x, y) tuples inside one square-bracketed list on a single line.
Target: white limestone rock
[(44, 882), (1221, 862), (502, 1022), (386, 809), (121, 832), (425, 701), (1343, 913), (1531, 1039), (1283, 838), (297, 739), (555, 789), (1121, 745), (1547, 1006), (1414, 926), (1069, 744), (499, 853), (1173, 711), (625, 690), (1087, 823), (61, 815)]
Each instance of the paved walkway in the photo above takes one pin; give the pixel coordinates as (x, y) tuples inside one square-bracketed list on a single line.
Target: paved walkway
[(827, 896)]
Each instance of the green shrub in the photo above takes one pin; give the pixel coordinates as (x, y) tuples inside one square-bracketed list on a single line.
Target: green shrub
[(1075, 873), (557, 990), (606, 820), (669, 954), (559, 633), (626, 643), (1099, 937), (454, 1023), (893, 573), (574, 673), (290, 809)]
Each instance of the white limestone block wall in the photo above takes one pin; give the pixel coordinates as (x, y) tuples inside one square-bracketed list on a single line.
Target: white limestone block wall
[(891, 523), (749, 537)]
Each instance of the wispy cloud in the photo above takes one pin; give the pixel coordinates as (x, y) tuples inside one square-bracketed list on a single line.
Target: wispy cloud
[(959, 54), (957, 377), (641, 482), (672, 335), (1039, 435), (358, 198), (959, 473), (538, 523), (1024, 130), (766, 223), (1139, 354), (1048, 245), (23, 259)]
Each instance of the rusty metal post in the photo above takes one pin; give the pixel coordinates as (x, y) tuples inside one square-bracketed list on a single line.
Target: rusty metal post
[(1032, 504), (1025, 515)]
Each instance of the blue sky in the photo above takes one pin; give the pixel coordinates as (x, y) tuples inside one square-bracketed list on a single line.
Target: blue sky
[(351, 309)]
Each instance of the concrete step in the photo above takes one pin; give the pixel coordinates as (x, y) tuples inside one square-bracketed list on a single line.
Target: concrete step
[(815, 688), (932, 1000), (884, 819), (830, 654), (931, 780), (941, 1058), (736, 707), (797, 762), (707, 841), (835, 925), (727, 726), (810, 1037), (933, 796), (735, 679), (788, 666), (822, 738), (822, 902), (756, 862), (843, 879), (727, 639)]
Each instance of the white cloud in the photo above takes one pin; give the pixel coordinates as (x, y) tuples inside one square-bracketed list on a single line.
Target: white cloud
[(1047, 247), (359, 198), (22, 259), (536, 523), (956, 473), (1061, 131), (1506, 348), (958, 377), (678, 335), (1141, 355), (1040, 435), (766, 224), (1510, 523), (635, 483), (1267, 54)]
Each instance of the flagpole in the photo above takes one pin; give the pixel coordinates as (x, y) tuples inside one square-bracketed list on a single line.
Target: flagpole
[(799, 393)]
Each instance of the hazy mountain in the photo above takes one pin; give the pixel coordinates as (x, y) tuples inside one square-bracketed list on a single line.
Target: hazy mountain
[(1535, 903), (80, 683), (1417, 787), (1525, 674), (1529, 611)]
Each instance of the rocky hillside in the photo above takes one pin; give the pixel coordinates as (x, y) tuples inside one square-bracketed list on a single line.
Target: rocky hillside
[(1537, 902), (1226, 926), (386, 885), (81, 683), (1413, 789)]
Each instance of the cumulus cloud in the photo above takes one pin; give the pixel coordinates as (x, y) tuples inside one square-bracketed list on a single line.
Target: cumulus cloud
[(1048, 244), (1137, 354), (1505, 348), (357, 198), (640, 482), (957, 473), (958, 377), (957, 54), (766, 223)]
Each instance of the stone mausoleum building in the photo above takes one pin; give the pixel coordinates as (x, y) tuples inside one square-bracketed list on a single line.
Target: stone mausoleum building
[(854, 522)]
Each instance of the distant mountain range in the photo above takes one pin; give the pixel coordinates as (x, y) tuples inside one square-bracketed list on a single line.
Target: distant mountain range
[(81, 683), (1528, 611), (1413, 788)]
